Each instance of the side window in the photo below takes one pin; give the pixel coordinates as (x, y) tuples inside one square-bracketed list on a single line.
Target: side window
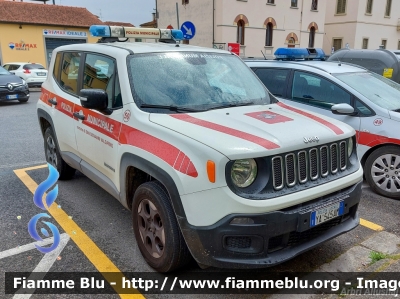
[(7, 67), (56, 69), (100, 73), (317, 91), (274, 80), (70, 71), (362, 109)]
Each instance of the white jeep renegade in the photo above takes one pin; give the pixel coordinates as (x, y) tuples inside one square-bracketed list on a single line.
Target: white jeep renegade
[(211, 165)]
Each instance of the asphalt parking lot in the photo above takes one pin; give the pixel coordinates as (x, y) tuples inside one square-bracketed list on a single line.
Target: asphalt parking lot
[(96, 230)]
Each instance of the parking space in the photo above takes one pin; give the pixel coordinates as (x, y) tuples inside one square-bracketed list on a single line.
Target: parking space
[(99, 229)]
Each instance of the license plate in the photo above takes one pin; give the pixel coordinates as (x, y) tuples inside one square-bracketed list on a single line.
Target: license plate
[(326, 213), (12, 96), (41, 74)]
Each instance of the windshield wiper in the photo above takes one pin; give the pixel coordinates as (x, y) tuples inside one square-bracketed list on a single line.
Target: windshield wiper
[(170, 107), (230, 105)]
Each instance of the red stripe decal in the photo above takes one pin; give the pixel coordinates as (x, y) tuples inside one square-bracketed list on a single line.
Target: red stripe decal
[(100, 123), (269, 117), (249, 137), (331, 126), (371, 140), (155, 146)]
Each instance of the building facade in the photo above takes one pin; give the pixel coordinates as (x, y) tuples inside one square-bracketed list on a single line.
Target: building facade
[(362, 24), (29, 32), (258, 26)]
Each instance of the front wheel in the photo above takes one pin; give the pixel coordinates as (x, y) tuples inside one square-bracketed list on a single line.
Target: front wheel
[(156, 229), (53, 156), (382, 171)]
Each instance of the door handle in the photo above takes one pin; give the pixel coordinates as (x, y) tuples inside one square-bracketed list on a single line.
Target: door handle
[(78, 115), (52, 101)]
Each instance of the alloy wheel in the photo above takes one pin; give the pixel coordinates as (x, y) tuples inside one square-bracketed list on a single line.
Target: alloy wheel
[(385, 172), (51, 151)]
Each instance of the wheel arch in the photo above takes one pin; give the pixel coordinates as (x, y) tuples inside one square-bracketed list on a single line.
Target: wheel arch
[(374, 148), (133, 166), (45, 121)]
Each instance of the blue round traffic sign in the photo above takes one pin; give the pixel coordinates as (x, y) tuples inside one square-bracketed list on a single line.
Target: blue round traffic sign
[(188, 30)]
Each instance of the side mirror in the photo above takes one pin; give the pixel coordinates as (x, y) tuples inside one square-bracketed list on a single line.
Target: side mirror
[(344, 109), (96, 99)]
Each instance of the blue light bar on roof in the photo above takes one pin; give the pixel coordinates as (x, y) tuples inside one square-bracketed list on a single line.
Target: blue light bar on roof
[(177, 34), (299, 54), (100, 30)]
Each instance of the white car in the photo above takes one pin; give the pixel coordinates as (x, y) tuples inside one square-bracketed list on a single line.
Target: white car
[(368, 102), (34, 74), (190, 141)]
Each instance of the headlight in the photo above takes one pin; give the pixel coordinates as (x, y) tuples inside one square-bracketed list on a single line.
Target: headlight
[(244, 172), (350, 146)]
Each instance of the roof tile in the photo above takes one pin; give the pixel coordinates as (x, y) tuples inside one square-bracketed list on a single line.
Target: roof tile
[(44, 14)]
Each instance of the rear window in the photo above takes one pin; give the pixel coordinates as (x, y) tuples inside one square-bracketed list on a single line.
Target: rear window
[(33, 66)]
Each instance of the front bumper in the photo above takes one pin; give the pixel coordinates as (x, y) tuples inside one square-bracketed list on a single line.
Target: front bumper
[(274, 237), (20, 93)]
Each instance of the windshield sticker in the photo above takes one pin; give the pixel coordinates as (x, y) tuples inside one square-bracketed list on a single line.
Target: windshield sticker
[(378, 121)]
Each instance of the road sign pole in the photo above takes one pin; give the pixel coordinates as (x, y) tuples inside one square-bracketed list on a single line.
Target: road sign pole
[(177, 14)]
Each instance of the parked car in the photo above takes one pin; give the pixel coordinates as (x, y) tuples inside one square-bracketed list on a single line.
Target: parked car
[(12, 87), (210, 165), (381, 61), (33, 73), (368, 102)]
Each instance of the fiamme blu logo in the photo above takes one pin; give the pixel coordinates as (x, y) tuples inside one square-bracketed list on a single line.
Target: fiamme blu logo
[(44, 205)]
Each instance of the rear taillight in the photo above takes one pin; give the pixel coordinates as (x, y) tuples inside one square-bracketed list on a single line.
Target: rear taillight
[(27, 71)]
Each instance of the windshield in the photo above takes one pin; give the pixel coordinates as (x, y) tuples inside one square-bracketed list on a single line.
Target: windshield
[(379, 90), (33, 66), (193, 80), (3, 71)]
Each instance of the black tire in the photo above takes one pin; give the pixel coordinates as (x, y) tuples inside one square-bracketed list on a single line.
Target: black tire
[(382, 171), (53, 156), (153, 217)]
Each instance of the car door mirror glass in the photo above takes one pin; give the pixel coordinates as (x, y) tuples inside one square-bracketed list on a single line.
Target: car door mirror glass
[(344, 109)]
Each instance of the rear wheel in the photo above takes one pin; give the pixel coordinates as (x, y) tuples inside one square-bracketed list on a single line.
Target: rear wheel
[(53, 156), (382, 171), (156, 229)]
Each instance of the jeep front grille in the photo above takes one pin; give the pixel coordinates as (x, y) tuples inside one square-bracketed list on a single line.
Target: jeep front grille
[(308, 165)]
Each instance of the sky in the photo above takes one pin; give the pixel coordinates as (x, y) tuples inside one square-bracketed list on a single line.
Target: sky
[(135, 12)]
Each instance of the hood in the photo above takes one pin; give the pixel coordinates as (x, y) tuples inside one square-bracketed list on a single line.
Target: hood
[(256, 131), (13, 79)]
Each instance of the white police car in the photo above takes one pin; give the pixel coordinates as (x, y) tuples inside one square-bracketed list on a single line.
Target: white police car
[(210, 165), (368, 102)]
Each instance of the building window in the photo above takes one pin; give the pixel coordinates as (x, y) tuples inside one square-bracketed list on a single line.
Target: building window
[(341, 7), (314, 5), (269, 31), (365, 43), (337, 43), (291, 42), (184, 2), (311, 38), (383, 44), (240, 32), (369, 7), (388, 8), (293, 3), (271, 1)]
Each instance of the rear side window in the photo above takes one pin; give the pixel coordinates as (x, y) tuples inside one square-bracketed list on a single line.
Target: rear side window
[(69, 73), (56, 69), (11, 67), (274, 80), (33, 66)]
